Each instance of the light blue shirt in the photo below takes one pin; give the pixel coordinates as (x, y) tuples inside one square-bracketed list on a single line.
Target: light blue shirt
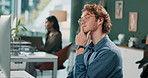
[(102, 60)]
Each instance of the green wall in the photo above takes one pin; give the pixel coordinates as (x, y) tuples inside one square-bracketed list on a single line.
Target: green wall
[(76, 6), (121, 25)]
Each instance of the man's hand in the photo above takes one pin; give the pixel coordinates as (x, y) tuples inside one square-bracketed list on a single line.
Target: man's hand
[(82, 39)]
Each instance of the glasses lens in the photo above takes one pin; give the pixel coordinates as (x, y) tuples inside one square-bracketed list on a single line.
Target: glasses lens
[(79, 21)]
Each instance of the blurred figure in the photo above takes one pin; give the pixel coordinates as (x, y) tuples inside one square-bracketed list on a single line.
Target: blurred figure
[(53, 37), (52, 45)]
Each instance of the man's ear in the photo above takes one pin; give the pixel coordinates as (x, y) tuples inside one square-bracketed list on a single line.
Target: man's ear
[(100, 20)]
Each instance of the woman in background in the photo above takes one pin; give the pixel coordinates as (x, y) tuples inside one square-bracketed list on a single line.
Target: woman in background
[(53, 37), (52, 45)]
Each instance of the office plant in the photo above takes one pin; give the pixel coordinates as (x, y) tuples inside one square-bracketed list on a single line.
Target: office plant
[(16, 30)]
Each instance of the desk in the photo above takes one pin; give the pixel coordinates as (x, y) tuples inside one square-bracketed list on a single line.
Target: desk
[(37, 57), (17, 74), (130, 56), (21, 42)]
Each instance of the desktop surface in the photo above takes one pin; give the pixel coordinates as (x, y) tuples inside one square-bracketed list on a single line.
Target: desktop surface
[(34, 55), (37, 57), (20, 42), (17, 74)]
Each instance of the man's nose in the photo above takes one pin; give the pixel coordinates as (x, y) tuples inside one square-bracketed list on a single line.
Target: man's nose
[(82, 22)]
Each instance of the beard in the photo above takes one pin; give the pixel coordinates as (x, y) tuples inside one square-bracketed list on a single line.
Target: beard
[(85, 31)]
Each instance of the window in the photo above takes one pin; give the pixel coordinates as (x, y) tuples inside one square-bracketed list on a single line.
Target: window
[(34, 12)]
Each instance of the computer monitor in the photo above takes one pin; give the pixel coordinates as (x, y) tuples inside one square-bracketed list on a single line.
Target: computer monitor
[(5, 27), (35, 41)]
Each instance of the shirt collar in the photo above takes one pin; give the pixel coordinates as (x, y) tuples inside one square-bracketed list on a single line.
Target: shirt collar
[(99, 44)]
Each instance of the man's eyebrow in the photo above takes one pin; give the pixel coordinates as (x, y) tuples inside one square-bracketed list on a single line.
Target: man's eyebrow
[(87, 14)]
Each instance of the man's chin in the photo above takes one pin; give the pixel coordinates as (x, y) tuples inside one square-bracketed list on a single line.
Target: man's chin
[(85, 32)]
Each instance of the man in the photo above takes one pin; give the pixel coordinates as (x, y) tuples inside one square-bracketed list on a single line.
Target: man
[(101, 57)]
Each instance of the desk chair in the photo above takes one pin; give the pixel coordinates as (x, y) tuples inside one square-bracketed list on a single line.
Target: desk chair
[(62, 54)]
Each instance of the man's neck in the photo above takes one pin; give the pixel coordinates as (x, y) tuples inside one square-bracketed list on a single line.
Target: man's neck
[(97, 36)]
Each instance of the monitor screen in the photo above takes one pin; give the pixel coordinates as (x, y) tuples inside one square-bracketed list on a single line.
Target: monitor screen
[(5, 27)]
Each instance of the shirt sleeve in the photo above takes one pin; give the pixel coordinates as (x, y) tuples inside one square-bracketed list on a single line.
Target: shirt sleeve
[(101, 67), (78, 67)]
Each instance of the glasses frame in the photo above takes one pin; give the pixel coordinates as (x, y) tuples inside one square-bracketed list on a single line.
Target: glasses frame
[(85, 18)]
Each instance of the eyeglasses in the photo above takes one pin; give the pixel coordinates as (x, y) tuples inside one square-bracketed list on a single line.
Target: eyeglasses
[(85, 18)]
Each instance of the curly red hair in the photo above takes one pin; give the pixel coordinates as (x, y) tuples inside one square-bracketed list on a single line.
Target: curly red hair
[(99, 11)]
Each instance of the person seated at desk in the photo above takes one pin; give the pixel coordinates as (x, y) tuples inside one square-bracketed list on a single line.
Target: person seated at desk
[(53, 37), (52, 45)]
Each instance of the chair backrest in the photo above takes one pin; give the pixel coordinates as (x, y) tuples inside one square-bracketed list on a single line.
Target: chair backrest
[(62, 54)]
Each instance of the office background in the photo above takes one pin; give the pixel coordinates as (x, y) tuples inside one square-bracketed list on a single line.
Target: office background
[(74, 13), (119, 25), (73, 8)]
